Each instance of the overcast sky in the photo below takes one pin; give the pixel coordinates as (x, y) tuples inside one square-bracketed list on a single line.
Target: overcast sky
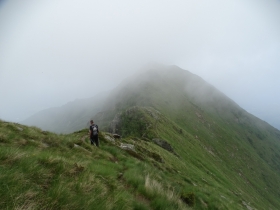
[(54, 51)]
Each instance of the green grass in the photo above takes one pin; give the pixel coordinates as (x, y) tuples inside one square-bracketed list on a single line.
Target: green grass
[(224, 158), (214, 167), (42, 170), (216, 158)]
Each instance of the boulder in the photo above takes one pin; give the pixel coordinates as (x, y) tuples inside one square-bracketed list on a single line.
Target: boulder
[(163, 144), (127, 146), (109, 138)]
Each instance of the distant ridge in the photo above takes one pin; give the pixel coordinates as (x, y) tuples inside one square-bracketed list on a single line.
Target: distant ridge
[(70, 117)]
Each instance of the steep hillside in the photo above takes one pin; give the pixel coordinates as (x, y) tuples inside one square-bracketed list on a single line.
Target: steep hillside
[(157, 166), (218, 154), (194, 140), (42, 170), (239, 144)]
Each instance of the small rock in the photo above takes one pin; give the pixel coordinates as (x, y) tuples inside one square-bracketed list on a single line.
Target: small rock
[(109, 138), (127, 146), (20, 129)]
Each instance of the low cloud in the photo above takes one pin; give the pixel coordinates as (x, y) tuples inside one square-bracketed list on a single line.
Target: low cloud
[(53, 52)]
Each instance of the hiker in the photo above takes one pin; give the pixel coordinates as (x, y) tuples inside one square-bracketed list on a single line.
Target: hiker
[(93, 133)]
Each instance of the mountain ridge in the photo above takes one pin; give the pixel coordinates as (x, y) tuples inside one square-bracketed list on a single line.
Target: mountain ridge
[(108, 100), (200, 168), (183, 134)]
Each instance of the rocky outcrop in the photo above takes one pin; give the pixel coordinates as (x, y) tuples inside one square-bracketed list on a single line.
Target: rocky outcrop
[(135, 121), (128, 122), (165, 145)]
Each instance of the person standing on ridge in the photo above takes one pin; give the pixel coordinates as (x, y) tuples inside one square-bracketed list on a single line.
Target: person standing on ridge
[(93, 133)]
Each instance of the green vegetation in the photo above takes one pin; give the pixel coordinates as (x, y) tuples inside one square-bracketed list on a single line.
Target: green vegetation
[(133, 125), (218, 162), (42, 170), (194, 148)]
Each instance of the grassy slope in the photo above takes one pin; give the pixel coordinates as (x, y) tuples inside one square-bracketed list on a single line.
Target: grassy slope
[(41, 170), (227, 158), (219, 137), (224, 169), (44, 170)]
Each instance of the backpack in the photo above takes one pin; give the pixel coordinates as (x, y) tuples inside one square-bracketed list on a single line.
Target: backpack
[(94, 130)]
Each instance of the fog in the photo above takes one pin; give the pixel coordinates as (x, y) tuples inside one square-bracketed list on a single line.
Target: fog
[(53, 52)]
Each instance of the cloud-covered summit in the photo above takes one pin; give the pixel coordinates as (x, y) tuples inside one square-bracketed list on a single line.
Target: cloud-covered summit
[(53, 52)]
